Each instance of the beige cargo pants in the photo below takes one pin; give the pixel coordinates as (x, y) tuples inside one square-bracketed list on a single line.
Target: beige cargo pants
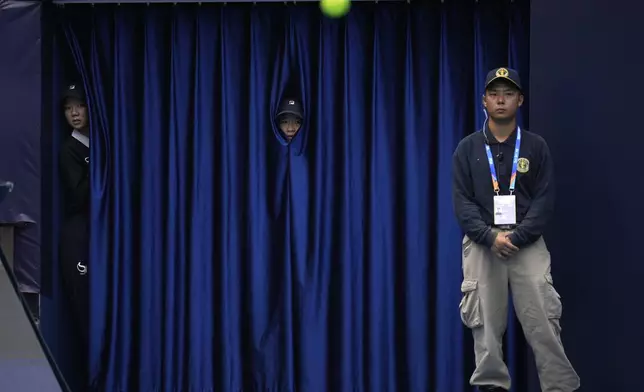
[(484, 308)]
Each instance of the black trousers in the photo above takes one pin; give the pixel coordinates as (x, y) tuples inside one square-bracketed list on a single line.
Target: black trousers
[(74, 268)]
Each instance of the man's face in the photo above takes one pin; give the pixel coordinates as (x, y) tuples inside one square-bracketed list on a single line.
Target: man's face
[(502, 100), (290, 125), (76, 114)]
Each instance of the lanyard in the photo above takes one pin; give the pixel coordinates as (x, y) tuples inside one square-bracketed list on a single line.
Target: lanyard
[(515, 161)]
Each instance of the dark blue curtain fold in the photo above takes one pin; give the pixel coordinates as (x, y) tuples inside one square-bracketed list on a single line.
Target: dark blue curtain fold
[(224, 258)]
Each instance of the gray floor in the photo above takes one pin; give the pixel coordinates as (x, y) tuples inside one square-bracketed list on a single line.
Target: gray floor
[(23, 364)]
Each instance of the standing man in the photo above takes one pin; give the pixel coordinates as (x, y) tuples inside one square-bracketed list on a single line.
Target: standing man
[(503, 197), (74, 174)]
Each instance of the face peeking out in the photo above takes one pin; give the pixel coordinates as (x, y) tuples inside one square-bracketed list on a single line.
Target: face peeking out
[(290, 125), (76, 114)]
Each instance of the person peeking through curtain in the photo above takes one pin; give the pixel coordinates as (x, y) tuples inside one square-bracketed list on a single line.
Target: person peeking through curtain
[(289, 117), (74, 244)]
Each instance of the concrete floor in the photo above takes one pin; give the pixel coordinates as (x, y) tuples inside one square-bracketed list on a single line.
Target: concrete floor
[(23, 363)]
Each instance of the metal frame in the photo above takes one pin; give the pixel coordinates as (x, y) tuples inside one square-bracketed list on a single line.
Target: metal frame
[(94, 2)]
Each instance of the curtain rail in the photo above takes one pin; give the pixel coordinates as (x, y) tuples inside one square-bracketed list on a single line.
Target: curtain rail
[(94, 2), (208, 1)]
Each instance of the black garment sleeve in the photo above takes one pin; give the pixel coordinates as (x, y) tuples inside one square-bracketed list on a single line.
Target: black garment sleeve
[(466, 209), (531, 227), (75, 178)]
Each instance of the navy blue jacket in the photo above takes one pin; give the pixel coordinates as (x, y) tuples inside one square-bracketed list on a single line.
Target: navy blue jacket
[(473, 193)]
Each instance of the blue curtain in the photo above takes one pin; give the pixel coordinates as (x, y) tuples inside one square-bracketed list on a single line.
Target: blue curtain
[(224, 259)]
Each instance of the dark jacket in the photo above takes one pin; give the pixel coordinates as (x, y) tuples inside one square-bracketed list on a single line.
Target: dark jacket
[(74, 174), (473, 193)]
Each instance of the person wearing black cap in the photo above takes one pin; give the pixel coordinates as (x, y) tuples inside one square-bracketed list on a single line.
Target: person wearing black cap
[(74, 174), (289, 117), (502, 188)]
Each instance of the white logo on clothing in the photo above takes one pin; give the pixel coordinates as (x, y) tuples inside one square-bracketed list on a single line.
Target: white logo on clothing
[(81, 268)]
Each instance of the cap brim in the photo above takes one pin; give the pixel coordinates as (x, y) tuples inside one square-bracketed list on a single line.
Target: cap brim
[(73, 95), (503, 78), (298, 114)]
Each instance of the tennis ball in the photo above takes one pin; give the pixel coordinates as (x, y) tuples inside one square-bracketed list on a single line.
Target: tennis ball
[(335, 8)]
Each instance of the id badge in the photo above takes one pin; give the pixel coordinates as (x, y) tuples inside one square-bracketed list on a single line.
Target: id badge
[(505, 210)]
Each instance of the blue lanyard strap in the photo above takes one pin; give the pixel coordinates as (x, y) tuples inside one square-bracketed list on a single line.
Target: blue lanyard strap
[(515, 161)]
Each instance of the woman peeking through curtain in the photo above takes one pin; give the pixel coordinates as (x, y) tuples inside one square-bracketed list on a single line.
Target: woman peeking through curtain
[(74, 246)]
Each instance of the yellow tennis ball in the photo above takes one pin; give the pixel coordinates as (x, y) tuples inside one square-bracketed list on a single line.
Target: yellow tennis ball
[(335, 8)]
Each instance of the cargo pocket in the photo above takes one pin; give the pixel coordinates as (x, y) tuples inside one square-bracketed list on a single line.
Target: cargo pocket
[(553, 305), (470, 306)]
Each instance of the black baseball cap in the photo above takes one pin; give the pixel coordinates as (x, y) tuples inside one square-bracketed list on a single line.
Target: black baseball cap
[(508, 74), (73, 91), (290, 106)]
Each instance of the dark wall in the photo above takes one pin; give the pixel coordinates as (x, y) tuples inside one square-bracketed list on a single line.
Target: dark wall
[(20, 133), (586, 99)]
